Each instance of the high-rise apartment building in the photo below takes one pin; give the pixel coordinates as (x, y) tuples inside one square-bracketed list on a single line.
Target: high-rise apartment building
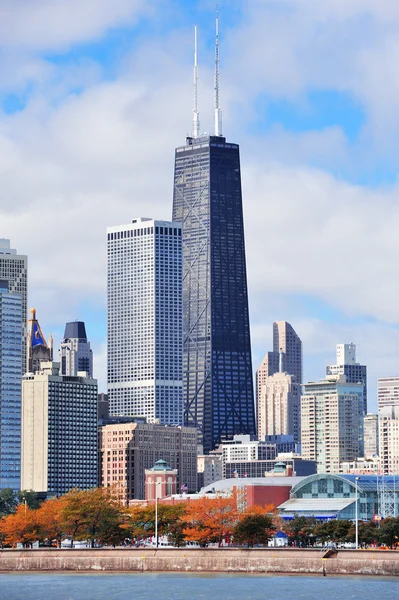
[(75, 353), (388, 392), (217, 364), (14, 270), (332, 422), (59, 431), (11, 369), (388, 419), (371, 448), (145, 320), (279, 403), (37, 349), (287, 341), (347, 365), (127, 449)]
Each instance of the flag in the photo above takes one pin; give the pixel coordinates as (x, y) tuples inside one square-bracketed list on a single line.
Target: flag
[(184, 488), (235, 473), (245, 475)]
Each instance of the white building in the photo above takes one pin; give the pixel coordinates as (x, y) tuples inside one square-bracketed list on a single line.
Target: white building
[(243, 449), (279, 400), (14, 270), (75, 353), (332, 422), (346, 365), (370, 436), (59, 431), (209, 468), (145, 320), (389, 439), (388, 392)]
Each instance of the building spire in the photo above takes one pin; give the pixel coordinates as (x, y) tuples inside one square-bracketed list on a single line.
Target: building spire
[(218, 110), (196, 122)]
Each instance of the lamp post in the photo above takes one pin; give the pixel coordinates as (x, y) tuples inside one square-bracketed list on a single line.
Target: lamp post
[(356, 515), (157, 483)]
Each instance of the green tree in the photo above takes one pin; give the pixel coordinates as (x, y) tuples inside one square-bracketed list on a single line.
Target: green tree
[(253, 529), (142, 521), (8, 502), (29, 497), (388, 533), (300, 530)]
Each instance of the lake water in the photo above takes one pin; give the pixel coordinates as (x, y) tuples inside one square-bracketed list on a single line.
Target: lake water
[(143, 586)]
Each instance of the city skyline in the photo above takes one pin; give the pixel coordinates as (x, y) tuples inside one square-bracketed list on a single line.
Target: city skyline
[(71, 120)]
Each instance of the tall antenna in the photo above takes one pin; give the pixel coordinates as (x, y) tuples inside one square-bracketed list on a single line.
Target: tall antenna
[(218, 110), (196, 123)]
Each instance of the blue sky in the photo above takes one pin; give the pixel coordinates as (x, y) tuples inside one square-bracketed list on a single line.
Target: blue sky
[(94, 96)]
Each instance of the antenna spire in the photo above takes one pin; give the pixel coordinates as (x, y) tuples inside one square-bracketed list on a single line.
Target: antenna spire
[(196, 122), (218, 110)]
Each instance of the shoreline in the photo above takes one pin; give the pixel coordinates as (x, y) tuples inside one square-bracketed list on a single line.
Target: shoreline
[(257, 561)]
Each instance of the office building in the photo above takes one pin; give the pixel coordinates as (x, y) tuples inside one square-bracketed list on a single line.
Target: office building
[(244, 449), (388, 419), (37, 349), (287, 342), (209, 468), (347, 365), (11, 369), (145, 321), (332, 422), (75, 353), (14, 270), (217, 363), (279, 407), (59, 431), (370, 425), (388, 392), (128, 449), (284, 443)]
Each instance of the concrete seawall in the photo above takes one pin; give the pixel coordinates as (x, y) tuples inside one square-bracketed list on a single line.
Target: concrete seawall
[(224, 560)]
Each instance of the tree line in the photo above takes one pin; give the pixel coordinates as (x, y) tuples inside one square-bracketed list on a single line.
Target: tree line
[(97, 516)]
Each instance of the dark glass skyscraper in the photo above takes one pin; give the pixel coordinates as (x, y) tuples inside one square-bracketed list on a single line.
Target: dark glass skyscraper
[(217, 365)]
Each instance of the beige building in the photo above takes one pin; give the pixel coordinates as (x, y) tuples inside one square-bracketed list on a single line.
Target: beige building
[(389, 439), (278, 410), (59, 444), (388, 392), (370, 436), (209, 467), (332, 423), (128, 449)]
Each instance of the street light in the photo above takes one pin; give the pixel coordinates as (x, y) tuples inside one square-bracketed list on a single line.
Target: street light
[(356, 515), (157, 483)]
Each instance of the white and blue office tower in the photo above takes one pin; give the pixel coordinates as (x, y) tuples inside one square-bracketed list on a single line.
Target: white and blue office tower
[(145, 320), (12, 319)]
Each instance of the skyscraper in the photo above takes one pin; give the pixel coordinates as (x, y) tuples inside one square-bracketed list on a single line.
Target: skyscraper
[(287, 341), (14, 270), (145, 321), (11, 369), (388, 392), (347, 365), (38, 349), (217, 365), (370, 436), (279, 407), (75, 354)]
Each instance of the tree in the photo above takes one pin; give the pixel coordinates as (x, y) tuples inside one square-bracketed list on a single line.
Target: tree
[(300, 530), (388, 533), (30, 498), (8, 502), (20, 527), (210, 519), (50, 519), (253, 529), (141, 522)]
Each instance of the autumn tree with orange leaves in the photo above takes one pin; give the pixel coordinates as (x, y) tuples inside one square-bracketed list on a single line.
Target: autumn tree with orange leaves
[(19, 527), (210, 520), (50, 520)]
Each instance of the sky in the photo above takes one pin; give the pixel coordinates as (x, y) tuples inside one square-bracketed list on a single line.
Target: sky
[(94, 97)]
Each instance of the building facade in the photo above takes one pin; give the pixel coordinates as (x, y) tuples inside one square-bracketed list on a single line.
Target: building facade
[(347, 365), (389, 439), (332, 422), (217, 364), (145, 320), (279, 403), (242, 448), (160, 481), (11, 369), (14, 270), (37, 349), (388, 392), (209, 468), (371, 446), (287, 341), (59, 431), (75, 353), (128, 449)]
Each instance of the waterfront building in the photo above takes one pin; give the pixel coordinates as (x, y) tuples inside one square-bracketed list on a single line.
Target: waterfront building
[(37, 349), (160, 481), (346, 365), (128, 448), (75, 353), (332, 422), (145, 321), (217, 363), (371, 447), (14, 270), (389, 439), (59, 431), (333, 496), (11, 369), (388, 392)]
